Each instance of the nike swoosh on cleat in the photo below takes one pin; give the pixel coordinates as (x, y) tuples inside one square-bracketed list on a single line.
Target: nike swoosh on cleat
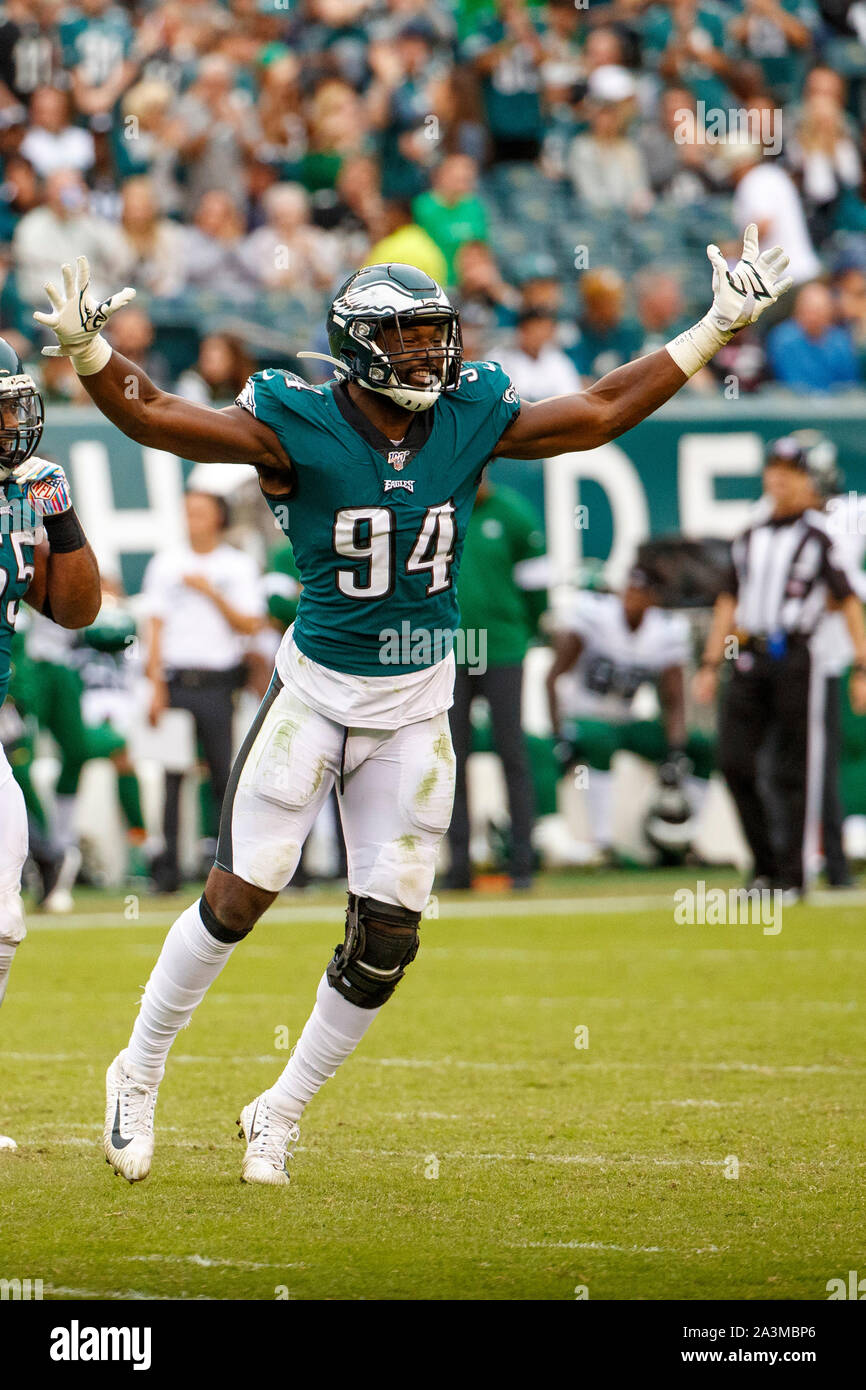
[(117, 1138)]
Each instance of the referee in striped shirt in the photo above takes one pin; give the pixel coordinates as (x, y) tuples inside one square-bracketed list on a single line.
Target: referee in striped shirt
[(785, 574)]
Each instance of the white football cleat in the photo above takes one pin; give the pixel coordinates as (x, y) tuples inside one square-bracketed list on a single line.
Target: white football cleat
[(128, 1135), (7, 1143), (268, 1136)]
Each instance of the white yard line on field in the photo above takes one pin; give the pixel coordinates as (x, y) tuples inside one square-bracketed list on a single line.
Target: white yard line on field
[(454, 908), (665, 1065), (121, 1295), (280, 916), (206, 1262), (413, 1156), (589, 1160), (470, 1064), (603, 1245)]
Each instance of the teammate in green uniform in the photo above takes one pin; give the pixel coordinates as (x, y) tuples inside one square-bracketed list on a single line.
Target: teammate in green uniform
[(282, 585), (373, 475), (45, 559), (53, 685)]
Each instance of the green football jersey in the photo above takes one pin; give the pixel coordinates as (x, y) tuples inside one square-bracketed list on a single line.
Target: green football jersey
[(17, 539), (377, 528)]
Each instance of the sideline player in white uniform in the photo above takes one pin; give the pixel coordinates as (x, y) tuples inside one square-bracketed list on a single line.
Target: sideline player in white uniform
[(606, 647), (374, 474), (45, 560)]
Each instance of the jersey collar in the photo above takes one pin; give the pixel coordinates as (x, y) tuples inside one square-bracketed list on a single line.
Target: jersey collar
[(398, 455)]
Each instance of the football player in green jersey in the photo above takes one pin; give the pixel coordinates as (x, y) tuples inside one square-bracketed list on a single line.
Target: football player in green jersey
[(373, 476), (45, 560)]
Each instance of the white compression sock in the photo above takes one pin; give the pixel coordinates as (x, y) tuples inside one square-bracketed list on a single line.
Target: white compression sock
[(331, 1034), (696, 792), (599, 790), (63, 824), (189, 962), (7, 955)]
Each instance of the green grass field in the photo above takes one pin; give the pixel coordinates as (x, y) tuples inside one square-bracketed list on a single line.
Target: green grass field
[(469, 1149)]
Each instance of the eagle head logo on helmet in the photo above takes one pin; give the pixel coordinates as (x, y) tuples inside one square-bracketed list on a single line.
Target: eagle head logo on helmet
[(22, 412), (367, 327)]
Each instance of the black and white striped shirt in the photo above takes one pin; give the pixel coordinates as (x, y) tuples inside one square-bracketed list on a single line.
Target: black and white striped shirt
[(782, 571)]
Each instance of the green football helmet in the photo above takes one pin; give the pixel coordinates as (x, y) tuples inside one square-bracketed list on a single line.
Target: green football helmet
[(381, 297), (22, 412)]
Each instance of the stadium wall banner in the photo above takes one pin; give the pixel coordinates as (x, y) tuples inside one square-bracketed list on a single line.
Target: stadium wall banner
[(694, 467)]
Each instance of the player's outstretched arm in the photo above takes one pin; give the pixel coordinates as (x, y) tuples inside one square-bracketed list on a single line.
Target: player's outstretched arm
[(624, 397), (127, 396)]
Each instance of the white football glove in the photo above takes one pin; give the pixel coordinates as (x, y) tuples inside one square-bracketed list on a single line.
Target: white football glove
[(741, 295), (77, 319)]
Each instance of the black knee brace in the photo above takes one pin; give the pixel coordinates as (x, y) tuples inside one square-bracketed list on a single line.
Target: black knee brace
[(381, 940)]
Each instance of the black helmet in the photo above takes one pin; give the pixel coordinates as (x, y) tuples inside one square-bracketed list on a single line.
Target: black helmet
[(22, 413), (399, 295), (821, 462), (788, 450), (814, 453)]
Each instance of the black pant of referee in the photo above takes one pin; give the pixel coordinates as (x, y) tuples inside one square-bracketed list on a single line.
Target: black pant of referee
[(209, 698), (502, 686), (772, 698)]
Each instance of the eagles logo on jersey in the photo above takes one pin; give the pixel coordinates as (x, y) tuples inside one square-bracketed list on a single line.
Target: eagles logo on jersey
[(22, 413), (366, 327)]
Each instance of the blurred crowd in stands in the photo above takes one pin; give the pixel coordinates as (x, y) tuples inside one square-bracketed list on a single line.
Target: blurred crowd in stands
[(560, 167)]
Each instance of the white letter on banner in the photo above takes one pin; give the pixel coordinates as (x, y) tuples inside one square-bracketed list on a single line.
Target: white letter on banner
[(702, 459), (115, 531), (610, 467)]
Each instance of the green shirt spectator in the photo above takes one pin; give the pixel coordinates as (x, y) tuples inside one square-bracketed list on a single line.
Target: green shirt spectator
[(496, 590), (451, 212)]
